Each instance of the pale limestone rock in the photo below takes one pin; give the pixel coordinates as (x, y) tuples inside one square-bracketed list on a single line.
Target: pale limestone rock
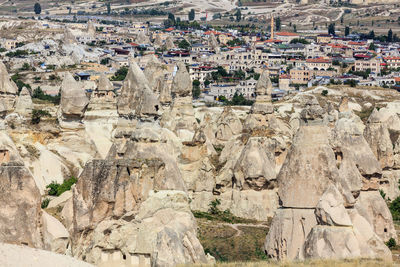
[(378, 137), (155, 74), (73, 98), (370, 244), (309, 168), (26, 256), (20, 212), (180, 118), (373, 208), (330, 209), (158, 41), (8, 90), (69, 37), (136, 99), (60, 200), (169, 44), (23, 104), (254, 170), (182, 84), (389, 183), (54, 234), (288, 232), (228, 125), (212, 41), (344, 104), (142, 38), (91, 29), (328, 242)]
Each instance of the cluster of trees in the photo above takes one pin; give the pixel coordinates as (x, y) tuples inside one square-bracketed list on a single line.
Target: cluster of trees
[(39, 94), (120, 74), (237, 100)]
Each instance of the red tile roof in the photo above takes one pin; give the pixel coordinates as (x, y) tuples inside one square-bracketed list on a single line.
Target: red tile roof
[(286, 34), (318, 60)]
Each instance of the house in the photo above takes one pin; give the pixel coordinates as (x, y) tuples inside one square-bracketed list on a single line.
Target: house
[(324, 38), (318, 63), (372, 64), (286, 37)]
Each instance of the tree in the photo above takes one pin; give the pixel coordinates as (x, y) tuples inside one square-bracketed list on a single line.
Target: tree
[(331, 29), (346, 31), (108, 5), (238, 15), (37, 8), (184, 44), (278, 24), (371, 35), (390, 36), (196, 89), (171, 17), (192, 14)]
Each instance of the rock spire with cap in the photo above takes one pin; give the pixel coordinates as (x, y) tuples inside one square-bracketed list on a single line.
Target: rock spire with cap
[(137, 99), (73, 97), (182, 84)]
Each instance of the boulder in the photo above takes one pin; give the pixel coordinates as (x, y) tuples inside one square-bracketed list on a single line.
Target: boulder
[(327, 242), (330, 209)]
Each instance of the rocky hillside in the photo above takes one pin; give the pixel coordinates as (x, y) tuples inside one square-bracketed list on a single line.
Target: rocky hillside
[(143, 178)]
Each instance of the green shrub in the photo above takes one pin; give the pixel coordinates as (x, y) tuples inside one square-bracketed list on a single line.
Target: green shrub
[(38, 114), (53, 188), (57, 189), (66, 185), (324, 92), (391, 243), (45, 203), (39, 94), (394, 208), (120, 74)]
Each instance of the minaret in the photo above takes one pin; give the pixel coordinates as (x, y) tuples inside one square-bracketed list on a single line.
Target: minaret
[(272, 27)]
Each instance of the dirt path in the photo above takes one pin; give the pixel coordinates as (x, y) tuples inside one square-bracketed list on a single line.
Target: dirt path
[(235, 226)]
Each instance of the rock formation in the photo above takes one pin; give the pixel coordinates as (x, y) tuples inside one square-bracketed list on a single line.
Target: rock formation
[(323, 192), (131, 207), (91, 29), (73, 99), (261, 115), (69, 37), (212, 41), (169, 44), (25, 256), (180, 118), (137, 100), (155, 74), (23, 104), (8, 91), (157, 42), (103, 97), (142, 38)]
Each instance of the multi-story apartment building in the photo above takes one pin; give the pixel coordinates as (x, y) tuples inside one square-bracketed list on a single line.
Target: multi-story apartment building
[(318, 63), (372, 64)]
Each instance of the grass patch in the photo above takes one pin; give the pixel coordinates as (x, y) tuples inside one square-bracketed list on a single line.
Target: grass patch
[(364, 114), (226, 244)]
